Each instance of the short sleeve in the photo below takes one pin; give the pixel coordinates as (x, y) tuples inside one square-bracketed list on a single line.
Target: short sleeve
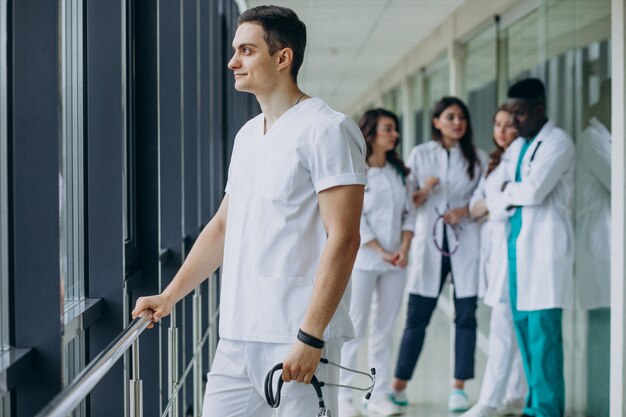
[(337, 155)]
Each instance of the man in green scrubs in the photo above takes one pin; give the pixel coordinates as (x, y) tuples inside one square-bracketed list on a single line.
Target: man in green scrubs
[(541, 183)]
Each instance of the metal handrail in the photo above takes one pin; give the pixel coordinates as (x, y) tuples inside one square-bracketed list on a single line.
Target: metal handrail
[(66, 401)]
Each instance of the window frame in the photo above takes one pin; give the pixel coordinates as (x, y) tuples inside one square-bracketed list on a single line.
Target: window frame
[(73, 144), (4, 226)]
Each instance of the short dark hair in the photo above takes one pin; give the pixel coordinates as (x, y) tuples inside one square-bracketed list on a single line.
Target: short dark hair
[(531, 89), (283, 29)]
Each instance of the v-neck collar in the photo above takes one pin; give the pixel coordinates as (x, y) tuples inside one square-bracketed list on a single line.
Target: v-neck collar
[(285, 115)]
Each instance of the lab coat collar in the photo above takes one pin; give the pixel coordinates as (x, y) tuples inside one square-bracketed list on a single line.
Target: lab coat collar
[(545, 131), (544, 134)]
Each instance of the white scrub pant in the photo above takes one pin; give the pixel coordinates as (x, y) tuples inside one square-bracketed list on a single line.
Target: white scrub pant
[(235, 385), (383, 291), (504, 373)]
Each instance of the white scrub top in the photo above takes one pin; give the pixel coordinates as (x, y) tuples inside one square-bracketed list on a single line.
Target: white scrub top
[(454, 190), (545, 245), (493, 264), (593, 216), (274, 232), (387, 212)]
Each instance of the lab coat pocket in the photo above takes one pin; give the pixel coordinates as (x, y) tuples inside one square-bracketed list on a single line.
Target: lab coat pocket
[(551, 240), (278, 176)]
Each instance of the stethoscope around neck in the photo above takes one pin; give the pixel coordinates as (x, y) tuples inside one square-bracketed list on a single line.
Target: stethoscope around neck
[(273, 400)]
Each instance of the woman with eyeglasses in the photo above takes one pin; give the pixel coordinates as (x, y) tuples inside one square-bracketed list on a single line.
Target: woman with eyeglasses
[(444, 173), (504, 385), (379, 273)]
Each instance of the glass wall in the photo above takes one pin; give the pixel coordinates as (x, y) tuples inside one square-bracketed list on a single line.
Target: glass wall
[(436, 85), (71, 176), (71, 189), (479, 70), (417, 102), (4, 232), (566, 44)]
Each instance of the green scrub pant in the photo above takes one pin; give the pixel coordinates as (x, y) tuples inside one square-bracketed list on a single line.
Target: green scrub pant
[(540, 340)]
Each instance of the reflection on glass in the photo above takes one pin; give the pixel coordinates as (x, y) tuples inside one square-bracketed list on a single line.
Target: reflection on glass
[(593, 228), (566, 44)]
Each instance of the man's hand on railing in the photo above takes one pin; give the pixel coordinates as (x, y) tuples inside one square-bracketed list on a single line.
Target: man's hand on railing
[(160, 305)]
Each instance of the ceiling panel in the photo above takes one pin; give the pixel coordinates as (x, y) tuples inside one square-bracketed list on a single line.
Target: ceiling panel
[(352, 43)]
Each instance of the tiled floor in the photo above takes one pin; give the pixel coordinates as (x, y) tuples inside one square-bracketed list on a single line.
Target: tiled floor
[(432, 380)]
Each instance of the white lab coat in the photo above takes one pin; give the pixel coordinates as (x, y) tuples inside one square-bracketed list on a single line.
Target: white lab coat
[(455, 189), (545, 246), (493, 267), (387, 212), (593, 216)]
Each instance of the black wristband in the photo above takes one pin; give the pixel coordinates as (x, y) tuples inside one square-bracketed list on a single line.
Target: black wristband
[(312, 341)]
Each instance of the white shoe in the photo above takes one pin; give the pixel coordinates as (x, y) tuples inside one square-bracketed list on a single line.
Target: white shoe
[(399, 398), (346, 409), (513, 407), (457, 401), (383, 407), (480, 411)]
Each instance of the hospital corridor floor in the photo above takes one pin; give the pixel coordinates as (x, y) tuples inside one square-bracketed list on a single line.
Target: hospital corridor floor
[(431, 384)]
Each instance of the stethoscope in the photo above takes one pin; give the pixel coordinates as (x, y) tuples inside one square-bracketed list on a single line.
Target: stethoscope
[(456, 228), (274, 400)]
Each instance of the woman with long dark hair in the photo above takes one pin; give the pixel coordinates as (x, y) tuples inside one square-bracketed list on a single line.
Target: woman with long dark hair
[(504, 385), (444, 173), (379, 273)]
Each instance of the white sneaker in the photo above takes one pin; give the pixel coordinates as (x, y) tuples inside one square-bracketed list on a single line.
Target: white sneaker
[(513, 407), (457, 401), (383, 407), (480, 411), (399, 398), (346, 409)]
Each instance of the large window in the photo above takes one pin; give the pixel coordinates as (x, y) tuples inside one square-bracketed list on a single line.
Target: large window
[(436, 86), (129, 181), (72, 188), (393, 101), (72, 151), (479, 83), (4, 261), (417, 103)]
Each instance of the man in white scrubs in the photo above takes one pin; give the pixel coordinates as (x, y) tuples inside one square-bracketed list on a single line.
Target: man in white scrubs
[(286, 233)]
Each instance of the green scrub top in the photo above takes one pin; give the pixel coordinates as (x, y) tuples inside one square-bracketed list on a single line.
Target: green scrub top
[(516, 219)]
